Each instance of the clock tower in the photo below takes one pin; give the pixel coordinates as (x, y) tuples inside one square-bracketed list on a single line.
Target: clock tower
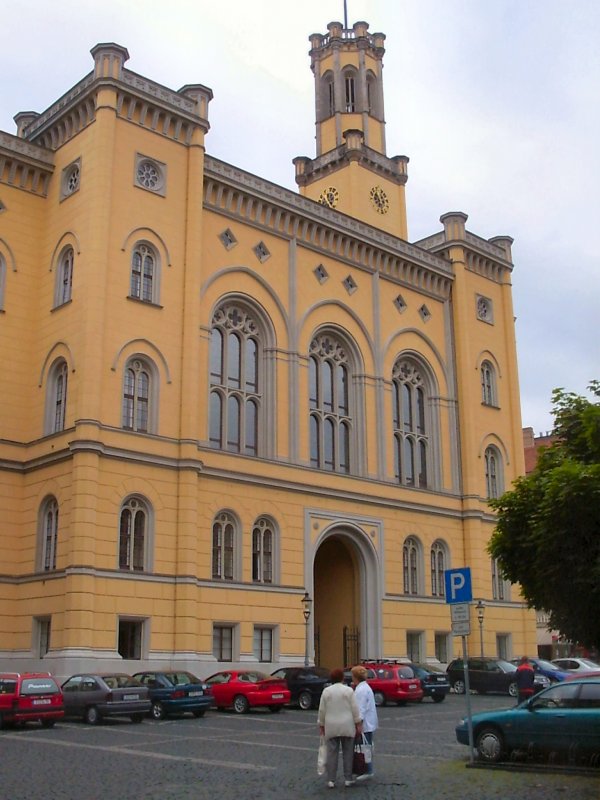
[(351, 172)]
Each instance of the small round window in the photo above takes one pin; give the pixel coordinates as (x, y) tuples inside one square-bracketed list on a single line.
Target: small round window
[(149, 175)]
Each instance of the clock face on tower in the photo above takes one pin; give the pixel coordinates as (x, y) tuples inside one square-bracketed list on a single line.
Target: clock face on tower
[(329, 197), (379, 200)]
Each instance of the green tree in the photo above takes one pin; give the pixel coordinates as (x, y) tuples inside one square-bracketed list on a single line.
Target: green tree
[(547, 537)]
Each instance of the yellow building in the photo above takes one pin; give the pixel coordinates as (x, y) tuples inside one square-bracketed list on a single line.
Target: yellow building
[(219, 394)]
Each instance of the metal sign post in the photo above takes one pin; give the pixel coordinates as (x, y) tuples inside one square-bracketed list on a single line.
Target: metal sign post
[(460, 596)]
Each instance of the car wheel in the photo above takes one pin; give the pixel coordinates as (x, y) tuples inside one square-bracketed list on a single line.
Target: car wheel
[(48, 723), (274, 709), (240, 704), (305, 701), (137, 718), (513, 690), (490, 745), (199, 712), (437, 698), (158, 710), (91, 715), (459, 687), (379, 698)]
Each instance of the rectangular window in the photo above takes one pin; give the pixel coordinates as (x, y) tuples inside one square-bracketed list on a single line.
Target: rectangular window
[(503, 645), (223, 642), (43, 635), (131, 638), (413, 645), (441, 647), (263, 644)]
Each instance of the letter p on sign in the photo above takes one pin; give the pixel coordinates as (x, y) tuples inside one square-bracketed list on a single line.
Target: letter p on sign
[(458, 585)]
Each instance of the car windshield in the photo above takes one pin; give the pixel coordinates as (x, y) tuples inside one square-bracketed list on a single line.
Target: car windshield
[(119, 681), (506, 666), (39, 686), (253, 677), (589, 664), (547, 665), (430, 668), (180, 678), (405, 672)]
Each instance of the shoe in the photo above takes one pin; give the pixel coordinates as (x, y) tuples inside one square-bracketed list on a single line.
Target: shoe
[(364, 777), (331, 784), (349, 783)]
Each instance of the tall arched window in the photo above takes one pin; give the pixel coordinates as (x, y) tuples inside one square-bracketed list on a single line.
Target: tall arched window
[(48, 534), (137, 386), (438, 565), (330, 405), (224, 546), (236, 381), (133, 535), (412, 422), (411, 555), (327, 96), (488, 384), (56, 396), (64, 277), (494, 482), (144, 273), (349, 92), (263, 551)]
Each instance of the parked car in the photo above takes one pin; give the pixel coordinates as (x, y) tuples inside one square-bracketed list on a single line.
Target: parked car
[(30, 697), (576, 664), (583, 676), (242, 689), (489, 675), (434, 681), (93, 696), (564, 719), (543, 667), (305, 684), (175, 693), (393, 682)]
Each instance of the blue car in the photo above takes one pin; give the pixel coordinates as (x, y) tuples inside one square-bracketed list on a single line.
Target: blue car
[(562, 721), (174, 692), (547, 668)]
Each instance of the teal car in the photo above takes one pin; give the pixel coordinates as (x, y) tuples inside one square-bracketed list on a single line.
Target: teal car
[(563, 720)]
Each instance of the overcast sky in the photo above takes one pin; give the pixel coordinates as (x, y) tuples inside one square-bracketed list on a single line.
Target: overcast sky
[(496, 103)]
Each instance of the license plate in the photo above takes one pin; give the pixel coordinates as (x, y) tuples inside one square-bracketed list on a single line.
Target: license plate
[(277, 696), (131, 697), (45, 702), (196, 694), (441, 680), (412, 685)]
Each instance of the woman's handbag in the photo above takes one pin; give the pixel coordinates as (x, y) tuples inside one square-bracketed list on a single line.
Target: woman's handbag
[(322, 756), (362, 755)]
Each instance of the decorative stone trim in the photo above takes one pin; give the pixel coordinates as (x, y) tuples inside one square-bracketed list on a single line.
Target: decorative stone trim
[(227, 238), (400, 304), (70, 180), (261, 251), (350, 284), (24, 165), (484, 309), (321, 273), (424, 313)]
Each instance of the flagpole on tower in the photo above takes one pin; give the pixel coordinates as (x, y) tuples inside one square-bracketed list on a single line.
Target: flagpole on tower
[(345, 15)]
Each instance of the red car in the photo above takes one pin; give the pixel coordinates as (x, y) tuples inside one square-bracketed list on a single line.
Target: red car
[(241, 689), (30, 697), (393, 682)]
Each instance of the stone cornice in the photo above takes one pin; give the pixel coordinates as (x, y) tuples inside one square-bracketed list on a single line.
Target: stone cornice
[(25, 165), (240, 195), (481, 256)]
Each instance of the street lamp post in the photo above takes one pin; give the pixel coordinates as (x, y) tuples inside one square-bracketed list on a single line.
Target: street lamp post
[(307, 604), (480, 607)]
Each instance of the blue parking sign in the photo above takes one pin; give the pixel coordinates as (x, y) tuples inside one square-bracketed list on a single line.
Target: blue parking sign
[(458, 585)]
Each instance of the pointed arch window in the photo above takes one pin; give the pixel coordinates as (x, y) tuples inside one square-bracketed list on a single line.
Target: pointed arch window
[(488, 384), (49, 533), (263, 551), (331, 424), (439, 562), (144, 273), (349, 92), (133, 535), (64, 277), (235, 415), (137, 384), (56, 396), (494, 482), (412, 422), (224, 546), (411, 554)]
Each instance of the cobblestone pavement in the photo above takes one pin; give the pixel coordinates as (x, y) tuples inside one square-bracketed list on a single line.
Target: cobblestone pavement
[(262, 756)]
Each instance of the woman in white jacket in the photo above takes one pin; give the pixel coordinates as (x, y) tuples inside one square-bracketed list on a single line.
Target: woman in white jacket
[(368, 711), (339, 722)]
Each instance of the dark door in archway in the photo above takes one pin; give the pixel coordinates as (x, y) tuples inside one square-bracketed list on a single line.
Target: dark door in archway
[(337, 600)]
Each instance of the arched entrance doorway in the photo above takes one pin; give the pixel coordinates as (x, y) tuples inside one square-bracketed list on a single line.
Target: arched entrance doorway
[(346, 602)]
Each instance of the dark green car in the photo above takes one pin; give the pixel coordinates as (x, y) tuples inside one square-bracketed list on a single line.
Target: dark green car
[(563, 720)]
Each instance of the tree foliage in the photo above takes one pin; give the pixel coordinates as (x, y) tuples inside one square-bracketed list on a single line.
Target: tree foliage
[(548, 533)]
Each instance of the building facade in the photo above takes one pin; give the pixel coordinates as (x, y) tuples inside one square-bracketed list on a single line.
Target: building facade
[(220, 395)]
